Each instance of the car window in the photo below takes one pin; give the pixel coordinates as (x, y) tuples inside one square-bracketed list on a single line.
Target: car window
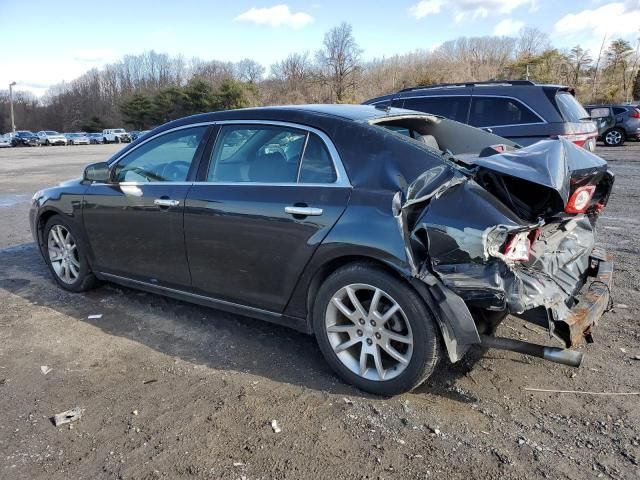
[(601, 112), (570, 108), (498, 111), (166, 158), (619, 110), (256, 153), (317, 166), (455, 108)]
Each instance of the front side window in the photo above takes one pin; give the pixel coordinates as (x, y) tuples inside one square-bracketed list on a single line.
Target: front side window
[(269, 154), (455, 108), (495, 112), (166, 158)]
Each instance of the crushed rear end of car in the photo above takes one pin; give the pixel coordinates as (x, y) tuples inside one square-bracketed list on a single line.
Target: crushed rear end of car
[(511, 231)]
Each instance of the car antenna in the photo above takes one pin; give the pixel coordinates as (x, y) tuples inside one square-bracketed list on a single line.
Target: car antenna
[(387, 107)]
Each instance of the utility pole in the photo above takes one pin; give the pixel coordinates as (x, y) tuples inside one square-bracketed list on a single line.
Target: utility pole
[(527, 72), (13, 122)]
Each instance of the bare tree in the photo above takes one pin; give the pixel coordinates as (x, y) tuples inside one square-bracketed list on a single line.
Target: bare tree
[(579, 58), (339, 61), (248, 70), (531, 42)]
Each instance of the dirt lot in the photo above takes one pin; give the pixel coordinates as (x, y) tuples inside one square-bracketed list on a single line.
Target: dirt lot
[(172, 390)]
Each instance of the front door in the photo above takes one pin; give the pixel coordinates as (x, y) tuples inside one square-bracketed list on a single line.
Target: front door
[(271, 195), (135, 222)]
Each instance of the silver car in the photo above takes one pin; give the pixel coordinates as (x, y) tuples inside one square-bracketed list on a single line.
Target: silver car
[(50, 137), (80, 138), (5, 140)]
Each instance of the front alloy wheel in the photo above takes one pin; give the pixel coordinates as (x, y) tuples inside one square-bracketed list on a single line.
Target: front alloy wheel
[(369, 332), (63, 254)]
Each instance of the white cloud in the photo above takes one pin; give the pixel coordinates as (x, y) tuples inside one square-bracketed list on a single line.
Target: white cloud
[(507, 27), (614, 19), (468, 8), (275, 16)]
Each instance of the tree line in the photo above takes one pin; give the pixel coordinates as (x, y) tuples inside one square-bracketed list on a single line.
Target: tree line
[(142, 91)]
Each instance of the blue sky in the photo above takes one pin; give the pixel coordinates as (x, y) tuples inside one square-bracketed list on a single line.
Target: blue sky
[(59, 40)]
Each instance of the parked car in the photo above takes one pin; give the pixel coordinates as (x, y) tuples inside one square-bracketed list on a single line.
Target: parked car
[(5, 141), (519, 110), (133, 134), (24, 138), (394, 236), (115, 135), (616, 123), (80, 138), (50, 137), (95, 138)]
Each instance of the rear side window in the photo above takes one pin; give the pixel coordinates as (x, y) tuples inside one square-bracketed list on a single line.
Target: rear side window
[(317, 166), (570, 108), (498, 111), (619, 110), (455, 108)]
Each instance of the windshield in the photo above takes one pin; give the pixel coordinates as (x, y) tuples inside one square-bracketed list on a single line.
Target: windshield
[(570, 108), (51, 132)]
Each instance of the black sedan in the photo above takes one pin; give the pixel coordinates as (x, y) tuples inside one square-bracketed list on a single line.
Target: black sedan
[(25, 138), (395, 237)]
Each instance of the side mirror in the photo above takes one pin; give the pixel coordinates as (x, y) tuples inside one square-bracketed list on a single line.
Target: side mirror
[(97, 172)]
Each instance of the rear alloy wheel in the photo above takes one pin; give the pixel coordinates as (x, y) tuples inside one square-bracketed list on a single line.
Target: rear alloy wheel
[(65, 256), (375, 331), (614, 137)]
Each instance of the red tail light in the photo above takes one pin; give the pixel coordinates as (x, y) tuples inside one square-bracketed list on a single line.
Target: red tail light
[(518, 247), (578, 138), (580, 199), (635, 113)]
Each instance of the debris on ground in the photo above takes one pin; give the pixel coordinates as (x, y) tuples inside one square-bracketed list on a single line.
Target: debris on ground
[(96, 316), (275, 426), (347, 401), (45, 369), (579, 392), (68, 416), (135, 412)]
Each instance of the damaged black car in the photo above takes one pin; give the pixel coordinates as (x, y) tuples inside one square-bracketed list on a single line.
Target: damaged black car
[(397, 238)]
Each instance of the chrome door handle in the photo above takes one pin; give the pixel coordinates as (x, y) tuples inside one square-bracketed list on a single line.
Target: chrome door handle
[(165, 202), (303, 211)]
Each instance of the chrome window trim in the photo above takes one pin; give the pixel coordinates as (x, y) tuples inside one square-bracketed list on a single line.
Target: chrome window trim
[(342, 179), (488, 95)]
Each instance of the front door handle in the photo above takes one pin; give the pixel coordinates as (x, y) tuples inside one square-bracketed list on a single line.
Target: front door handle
[(303, 211), (166, 202)]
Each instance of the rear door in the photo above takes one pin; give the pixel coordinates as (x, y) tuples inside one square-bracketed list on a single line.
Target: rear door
[(455, 107), (271, 193), (135, 222), (507, 117)]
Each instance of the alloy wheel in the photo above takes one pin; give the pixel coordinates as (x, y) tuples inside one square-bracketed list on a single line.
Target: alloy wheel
[(613, 137), (369, 332), (63, 254)]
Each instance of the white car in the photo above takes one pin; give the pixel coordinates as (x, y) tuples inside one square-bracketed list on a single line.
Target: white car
[(5, 140), (50, 137), (78, 138), (115, 135)]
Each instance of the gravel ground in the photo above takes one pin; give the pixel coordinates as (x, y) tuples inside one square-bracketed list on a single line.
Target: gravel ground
[(172, 390)]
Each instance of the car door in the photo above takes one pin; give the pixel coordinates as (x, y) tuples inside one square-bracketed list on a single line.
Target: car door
[(134, 223), (507, 117), (271, 193)]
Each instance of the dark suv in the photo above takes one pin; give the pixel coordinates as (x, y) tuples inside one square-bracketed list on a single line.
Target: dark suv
[(519, 110), (616, 123)]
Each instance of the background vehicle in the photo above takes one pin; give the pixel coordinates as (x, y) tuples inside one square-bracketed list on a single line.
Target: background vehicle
[(520, 110), (616, 123), (115, 135), (95, 138), (77, 138), (24, 138), (50, 137), (386, 247), (5, 140)]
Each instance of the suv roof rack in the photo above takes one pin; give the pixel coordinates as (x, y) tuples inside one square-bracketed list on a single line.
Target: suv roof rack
[(470, 84)]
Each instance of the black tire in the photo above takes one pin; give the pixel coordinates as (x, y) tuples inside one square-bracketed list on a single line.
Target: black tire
[(47, 143), (614, 137), (105, 141), (426, 340), (117, 140), (85, 280)]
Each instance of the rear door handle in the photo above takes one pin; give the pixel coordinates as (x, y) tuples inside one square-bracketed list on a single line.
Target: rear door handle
[(303, 211), (166, 202)]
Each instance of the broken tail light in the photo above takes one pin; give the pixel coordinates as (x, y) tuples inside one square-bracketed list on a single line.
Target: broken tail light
[(635, 113), (578, 138), (518, 247), (579, 200)]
